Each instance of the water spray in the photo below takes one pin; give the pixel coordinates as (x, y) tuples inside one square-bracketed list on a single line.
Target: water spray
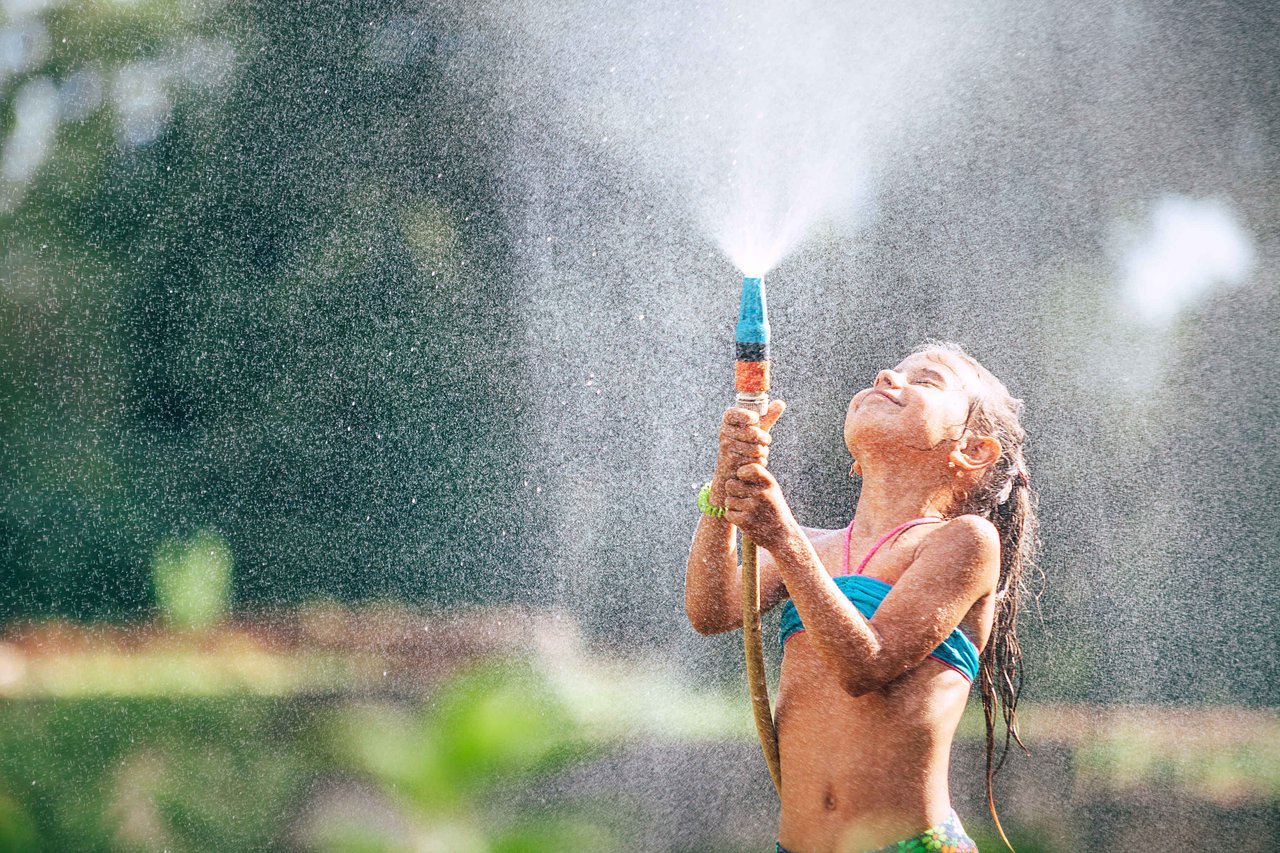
[(751, 379)]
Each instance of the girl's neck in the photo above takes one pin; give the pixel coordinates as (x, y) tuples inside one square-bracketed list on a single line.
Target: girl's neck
[(893, 495)]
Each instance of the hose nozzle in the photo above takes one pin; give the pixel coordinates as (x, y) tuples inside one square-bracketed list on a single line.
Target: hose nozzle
[(751, 370)]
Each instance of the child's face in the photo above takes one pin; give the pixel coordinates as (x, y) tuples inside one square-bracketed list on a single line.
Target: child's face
[(920, 405)]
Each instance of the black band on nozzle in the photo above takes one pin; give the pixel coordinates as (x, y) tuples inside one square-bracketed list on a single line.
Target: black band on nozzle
[(752, 351)]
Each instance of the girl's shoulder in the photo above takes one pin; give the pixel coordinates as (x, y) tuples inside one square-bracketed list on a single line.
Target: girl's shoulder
[(971, 537), (969, 525), (958, 531)]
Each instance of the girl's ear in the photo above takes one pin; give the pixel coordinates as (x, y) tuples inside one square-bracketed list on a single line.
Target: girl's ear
[(975, 452)]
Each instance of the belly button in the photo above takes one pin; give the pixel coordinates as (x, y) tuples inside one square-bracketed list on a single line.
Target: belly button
[(829, 801)]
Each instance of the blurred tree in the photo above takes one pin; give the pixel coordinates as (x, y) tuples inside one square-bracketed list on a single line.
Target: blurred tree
[(255, 282)]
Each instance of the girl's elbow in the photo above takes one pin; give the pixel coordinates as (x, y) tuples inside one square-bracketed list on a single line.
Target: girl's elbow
[(703, 622), (699, 623), (709, 611)]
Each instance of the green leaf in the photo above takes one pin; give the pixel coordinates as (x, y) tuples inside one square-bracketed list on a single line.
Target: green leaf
[(193, 579)]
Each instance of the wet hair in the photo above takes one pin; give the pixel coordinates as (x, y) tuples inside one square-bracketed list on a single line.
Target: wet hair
[(1003, 497)]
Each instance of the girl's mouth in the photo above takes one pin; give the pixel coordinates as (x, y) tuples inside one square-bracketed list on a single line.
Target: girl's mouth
[(885, 394)]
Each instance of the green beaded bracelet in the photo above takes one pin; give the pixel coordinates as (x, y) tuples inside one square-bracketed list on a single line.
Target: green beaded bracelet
[(705, 504)]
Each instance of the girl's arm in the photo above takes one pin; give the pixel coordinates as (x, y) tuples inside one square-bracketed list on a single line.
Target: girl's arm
[(956, 565), (712, 584), (713, 578)]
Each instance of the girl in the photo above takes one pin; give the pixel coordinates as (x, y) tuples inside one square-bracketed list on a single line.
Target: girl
[(890, 619)]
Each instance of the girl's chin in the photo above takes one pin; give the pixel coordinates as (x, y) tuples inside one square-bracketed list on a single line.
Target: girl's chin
[(878, 424), (879, 438)]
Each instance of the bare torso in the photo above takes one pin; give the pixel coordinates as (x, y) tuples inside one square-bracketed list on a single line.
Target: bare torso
[(861, 772)]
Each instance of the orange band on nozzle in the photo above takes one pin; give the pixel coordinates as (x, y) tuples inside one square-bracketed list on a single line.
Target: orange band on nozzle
[(752, 376)]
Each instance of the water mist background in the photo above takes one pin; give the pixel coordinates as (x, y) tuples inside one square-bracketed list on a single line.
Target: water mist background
[(1079, 195), (434, 302)]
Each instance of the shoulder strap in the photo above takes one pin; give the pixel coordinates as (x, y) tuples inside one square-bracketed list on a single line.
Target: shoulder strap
[(848, 536)]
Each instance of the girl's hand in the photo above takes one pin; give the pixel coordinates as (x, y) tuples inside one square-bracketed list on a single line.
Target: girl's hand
[(754, 503), (744, 440)]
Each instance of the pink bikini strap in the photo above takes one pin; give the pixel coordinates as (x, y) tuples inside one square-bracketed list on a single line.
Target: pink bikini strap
[(848, 537)]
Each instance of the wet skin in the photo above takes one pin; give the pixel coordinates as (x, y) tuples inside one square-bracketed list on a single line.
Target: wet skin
[(863, 771), (865, 719)]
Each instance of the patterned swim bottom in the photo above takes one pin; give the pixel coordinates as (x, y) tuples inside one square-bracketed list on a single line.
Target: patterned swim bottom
[(948, 837)]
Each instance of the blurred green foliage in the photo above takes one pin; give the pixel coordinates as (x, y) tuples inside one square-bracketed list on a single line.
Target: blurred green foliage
[(17, 830), (148, 774), (235, 773), (1021, 842), (1133, 758), (481, 766), (193, 579), (496, 730), (254, 284)]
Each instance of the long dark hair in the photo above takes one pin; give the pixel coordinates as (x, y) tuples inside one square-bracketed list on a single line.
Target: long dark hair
[(1003, 497)]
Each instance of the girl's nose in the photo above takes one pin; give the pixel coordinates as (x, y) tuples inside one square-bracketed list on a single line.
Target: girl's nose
[(888, 377)]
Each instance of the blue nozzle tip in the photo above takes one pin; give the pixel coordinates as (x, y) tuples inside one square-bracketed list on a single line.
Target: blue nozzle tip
[(753, 317)]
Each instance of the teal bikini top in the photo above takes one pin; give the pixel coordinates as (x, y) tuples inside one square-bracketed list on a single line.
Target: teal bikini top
[(865, 593)]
